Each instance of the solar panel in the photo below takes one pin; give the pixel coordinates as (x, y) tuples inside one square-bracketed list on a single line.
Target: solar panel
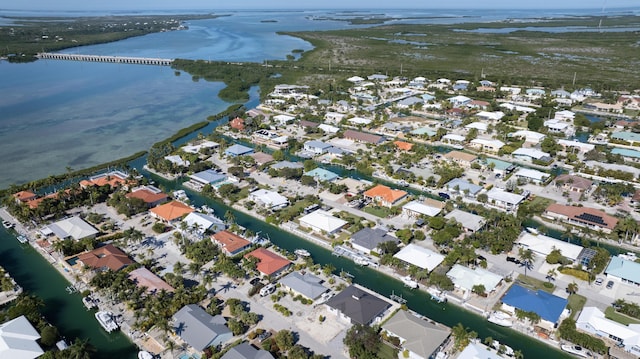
[(591, 218)]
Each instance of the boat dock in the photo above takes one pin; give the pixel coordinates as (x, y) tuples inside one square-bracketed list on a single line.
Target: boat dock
[(360, 259), (397, 298)]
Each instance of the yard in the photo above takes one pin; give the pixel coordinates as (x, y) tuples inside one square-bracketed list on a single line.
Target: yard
[(378, 211), (535, 284), (576, 302), (611, 313), (387, 352)]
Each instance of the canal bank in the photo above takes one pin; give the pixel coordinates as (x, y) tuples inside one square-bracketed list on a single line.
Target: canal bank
[(66, 311)]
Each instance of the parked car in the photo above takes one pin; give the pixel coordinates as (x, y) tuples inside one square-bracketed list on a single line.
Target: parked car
[(610, 284), (599, 281), (263, 336), (254, 281), (268, 289), (513, 260), (444, 195)]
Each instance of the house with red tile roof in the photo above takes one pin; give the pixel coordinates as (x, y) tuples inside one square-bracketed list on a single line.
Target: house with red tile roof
[(150, 195), (144, 278), (24, 196), (582, 217), (230, 243), (404, 146), (170, 212), (269, 263), (113, 179), (237, 123), (384, 195), (104, 258)]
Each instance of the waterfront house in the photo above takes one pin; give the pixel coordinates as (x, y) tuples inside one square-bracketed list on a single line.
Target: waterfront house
[(363, 137), (403, 146), (176, 160), (107, 257), (199, 146), (237, 124), (230, 243), (70, 228), (490, 116), (113, 179), (500, 168), (465, 279), (262, 158), (322, 222), (322, 175), (542, 245), (573, 183), (150, 195), (246, 351), (453, 139), (531, 175), (316, 147), (200, 223), (470, 222), (171, 212), (238, 150), (19, 339), (531, 137), (463, 159), (303, 283), (549, 307), (269, 199), (504, 200), (368, 239), (421, 257), (476, 350), (328, 128), (286, 164), (463, 187), (24, 196), (591, 218), (530, 154), (283, 119), (269, 263), (199, 329), (422, 338), (144, 278), (355, 305), (491, 146), (481, 127), (384, 195), (593, 321), (623, 270)]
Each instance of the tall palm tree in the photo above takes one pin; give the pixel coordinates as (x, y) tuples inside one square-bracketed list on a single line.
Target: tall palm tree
[(572, 288), (526, 259), (551, 274)]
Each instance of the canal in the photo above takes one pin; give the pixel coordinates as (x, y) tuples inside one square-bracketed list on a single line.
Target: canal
[(64, 310)]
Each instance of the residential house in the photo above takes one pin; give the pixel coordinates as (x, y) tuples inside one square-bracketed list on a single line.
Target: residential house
[(357, 121), (316, 147), (269, 199), (262, 158), (334, 117), (200, 223), (481, 127), (478, 105), (287, 164), (463, 187), (422, 338), (363, 137), (530, 154), (476, 350), (322, 222), (113, 179), (470, 222), (355, 305), (459, 101), (542, 246), (70, 228), (421, 257), (491, 146), (200, 146), (368, 239), (505, 200), (150, 195), (591, 218), (237, 123), (403, 146), (144, 278), (269, 263), (328, 128), (517, 108), (322, 175), (429, 207), (549, 307), (107, 257), (465, 279), (384, 195), (176, 160), (623, 270), (303, 283), (531, 137), (453, 139), (171, 212), (531, 175), (230, 243), (246, 351), (24, 196), (490, 116), (208, 177), (581, 147), (238, 150), (499, 167), (559, 127), (283, 119), (573, 183), (19, 339), (463, 159), (199, 329), (593, 321)]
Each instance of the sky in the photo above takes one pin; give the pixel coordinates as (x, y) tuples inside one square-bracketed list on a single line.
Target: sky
[(83, 5)]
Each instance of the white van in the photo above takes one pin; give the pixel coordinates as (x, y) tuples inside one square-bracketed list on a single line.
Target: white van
[(268, 289)]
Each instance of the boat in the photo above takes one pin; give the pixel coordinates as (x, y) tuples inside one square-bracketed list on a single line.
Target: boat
[(362, 261), (437, 295), (302, 252), (22, 238), (107, 321), (89, 302), (575, 350), (7, 224), (500, 318), (409, 282), (532, 230), (143, 354)]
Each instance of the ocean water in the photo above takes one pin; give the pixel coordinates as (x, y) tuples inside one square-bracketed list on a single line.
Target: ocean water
[(59, 114)]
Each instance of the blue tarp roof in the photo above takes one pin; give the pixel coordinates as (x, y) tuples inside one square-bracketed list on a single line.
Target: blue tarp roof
[(546, 305)]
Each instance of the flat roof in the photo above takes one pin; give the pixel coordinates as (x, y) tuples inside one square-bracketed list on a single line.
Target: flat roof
[(544, 245), (420, 257)]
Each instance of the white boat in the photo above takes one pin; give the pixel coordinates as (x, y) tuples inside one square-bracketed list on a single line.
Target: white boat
[(361, 261), (7, 224), (89, 302), (532, 230), (302, 252), (107, 321), (143, 354), (500, 318), (22, 238), (437, 295), (507, 349), (575, 350), (409, 282)]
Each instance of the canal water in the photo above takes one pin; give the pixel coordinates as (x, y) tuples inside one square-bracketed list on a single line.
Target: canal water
[(64, 310)]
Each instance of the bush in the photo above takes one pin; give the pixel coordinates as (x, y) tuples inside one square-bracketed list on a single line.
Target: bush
[(158, 227)]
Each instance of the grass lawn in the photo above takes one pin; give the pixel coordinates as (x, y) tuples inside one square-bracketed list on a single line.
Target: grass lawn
[(382, 212), (387, 352), (576, 302), (610, 313), (533, 283)]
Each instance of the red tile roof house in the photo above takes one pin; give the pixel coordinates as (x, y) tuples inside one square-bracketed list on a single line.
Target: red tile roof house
[(384, 195), (150, 195), (230, 243), (24, 196), (237, 123), (171, 212), (107, 257), (269, 263), (582, 217)]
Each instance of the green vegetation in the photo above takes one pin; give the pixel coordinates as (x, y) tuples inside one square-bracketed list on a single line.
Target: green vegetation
[(611, 313), (567, 331), (533, 283), (628, 308), (363, 341), (576, 303)]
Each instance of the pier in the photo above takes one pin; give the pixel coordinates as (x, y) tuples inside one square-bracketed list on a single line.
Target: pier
[(109, 59)]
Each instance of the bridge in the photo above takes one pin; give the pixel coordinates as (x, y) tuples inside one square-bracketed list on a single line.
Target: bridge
[(110, 59)]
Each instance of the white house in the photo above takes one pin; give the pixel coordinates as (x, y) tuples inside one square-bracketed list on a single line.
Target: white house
[(490, 116), (465, 278), (593, 321), (482, 144), (334, 117), (505, 200), (469, 221), (532, 175), (269, 199), (359, 121), (543, 245), (480, 126), (200, 223), (459, 101), (73, 227), (328, 128), (531, 137), (18, 339), (415, 209), (316, 147), (283, 119), (530, 154), (420, 257), (323, 222)]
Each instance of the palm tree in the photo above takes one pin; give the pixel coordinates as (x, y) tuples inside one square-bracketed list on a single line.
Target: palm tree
[(80, 349), (551, 274), (572, 288), (526, 259)]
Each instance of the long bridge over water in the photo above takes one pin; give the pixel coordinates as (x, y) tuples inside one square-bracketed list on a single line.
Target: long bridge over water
[(110, 59)]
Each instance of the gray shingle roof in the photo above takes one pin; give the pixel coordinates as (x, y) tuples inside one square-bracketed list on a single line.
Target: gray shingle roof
[(197, 327), (246, 351), (306, 284), (421, 337), (370, 238), (360, 306)]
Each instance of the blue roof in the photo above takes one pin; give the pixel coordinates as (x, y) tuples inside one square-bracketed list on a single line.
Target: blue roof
[(317, 144), (626, 152), (546, 305), (238, 150), (463, 185), (321, 174), (624, 269), (499, 164), (424, 131), (209, 176), (626, 136)]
